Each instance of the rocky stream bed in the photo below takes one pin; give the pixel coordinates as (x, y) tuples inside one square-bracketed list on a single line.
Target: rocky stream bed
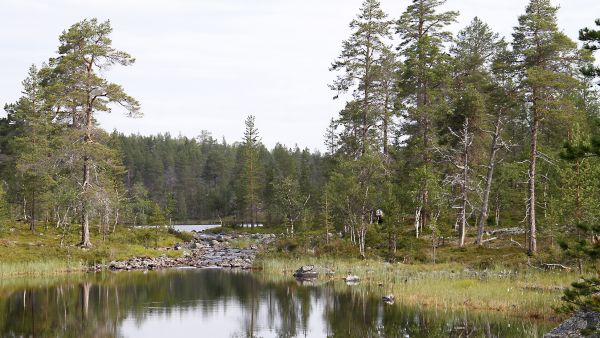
[(205, 250)]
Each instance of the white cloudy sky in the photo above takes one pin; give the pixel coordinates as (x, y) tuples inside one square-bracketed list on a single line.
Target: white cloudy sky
[(206, 64)]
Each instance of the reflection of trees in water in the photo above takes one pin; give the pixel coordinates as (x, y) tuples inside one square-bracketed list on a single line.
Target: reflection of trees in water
[(97, 304)]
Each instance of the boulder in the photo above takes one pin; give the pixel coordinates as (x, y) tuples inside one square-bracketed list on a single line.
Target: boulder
[(306, 272), (588, 322)]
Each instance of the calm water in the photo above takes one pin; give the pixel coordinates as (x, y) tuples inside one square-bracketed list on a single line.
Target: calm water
[(217, 303)]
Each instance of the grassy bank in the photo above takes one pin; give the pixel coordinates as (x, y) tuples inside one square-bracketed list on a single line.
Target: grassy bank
[(498, 277), (521, 293), (53, 251)]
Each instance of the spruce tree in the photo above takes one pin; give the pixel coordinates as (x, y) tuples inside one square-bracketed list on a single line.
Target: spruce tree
[(250, 169)]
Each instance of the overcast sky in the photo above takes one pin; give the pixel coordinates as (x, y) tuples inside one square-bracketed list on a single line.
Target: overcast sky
[(206, 64)]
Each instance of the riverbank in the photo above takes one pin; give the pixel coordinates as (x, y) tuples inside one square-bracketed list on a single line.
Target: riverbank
[(52, 251), (517, 288), (55, 251)]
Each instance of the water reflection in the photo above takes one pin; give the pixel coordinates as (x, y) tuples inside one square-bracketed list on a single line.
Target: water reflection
[(215, 303)]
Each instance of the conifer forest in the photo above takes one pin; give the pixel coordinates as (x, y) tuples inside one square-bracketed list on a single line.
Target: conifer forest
[(446, 139)]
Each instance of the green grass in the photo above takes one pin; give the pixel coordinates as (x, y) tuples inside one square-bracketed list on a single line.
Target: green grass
[(507, 279), (242, 243), (522, 293), (25, 253), (40, 268)]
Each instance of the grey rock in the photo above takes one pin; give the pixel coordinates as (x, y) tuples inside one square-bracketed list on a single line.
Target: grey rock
[(572, 327)]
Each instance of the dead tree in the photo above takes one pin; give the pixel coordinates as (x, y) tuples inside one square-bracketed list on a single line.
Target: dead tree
[(462, 178), (495, 146)]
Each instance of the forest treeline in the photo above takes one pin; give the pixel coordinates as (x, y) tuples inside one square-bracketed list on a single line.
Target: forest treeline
[(203, 179), (441, 135)]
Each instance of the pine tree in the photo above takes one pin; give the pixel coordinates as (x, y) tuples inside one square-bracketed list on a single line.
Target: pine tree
[(424, 85), (80, 91), (474, 51), (358, 63), (591, 39), (547, 68), (33, 147), (386, 80)]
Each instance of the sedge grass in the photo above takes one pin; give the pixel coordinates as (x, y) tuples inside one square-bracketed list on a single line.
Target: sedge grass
[(40, 268), (521, 293)]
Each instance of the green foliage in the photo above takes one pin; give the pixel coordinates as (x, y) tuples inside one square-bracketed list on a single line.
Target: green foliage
[(156, 216), (583, 295), (366, 68), (248, 200), (591, 39), (288, 199), (4, 210), (184, 236)]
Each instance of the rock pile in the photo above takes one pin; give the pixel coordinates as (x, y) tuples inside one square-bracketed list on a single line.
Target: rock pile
[(206, 250)]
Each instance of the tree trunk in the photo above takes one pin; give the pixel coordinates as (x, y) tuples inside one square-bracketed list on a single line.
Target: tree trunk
[(392, 244), (532, 248), (32, 220), (418, 221), (386, 122), (85, 225), (361, 240), (326, 218), (367, 85), (85, 229), (483, 216), (85, 299), (464, 183), (422, 101)]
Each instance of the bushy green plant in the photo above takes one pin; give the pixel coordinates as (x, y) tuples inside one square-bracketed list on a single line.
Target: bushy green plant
[(584, 295), (182, 235)]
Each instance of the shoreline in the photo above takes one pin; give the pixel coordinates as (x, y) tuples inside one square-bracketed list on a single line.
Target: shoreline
[(515, 291), (518, 293), (232, 250)]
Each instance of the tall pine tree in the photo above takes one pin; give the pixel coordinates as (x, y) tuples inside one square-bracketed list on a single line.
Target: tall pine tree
[(423, 88), (81, 91), (546, 61), (361, 57)]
